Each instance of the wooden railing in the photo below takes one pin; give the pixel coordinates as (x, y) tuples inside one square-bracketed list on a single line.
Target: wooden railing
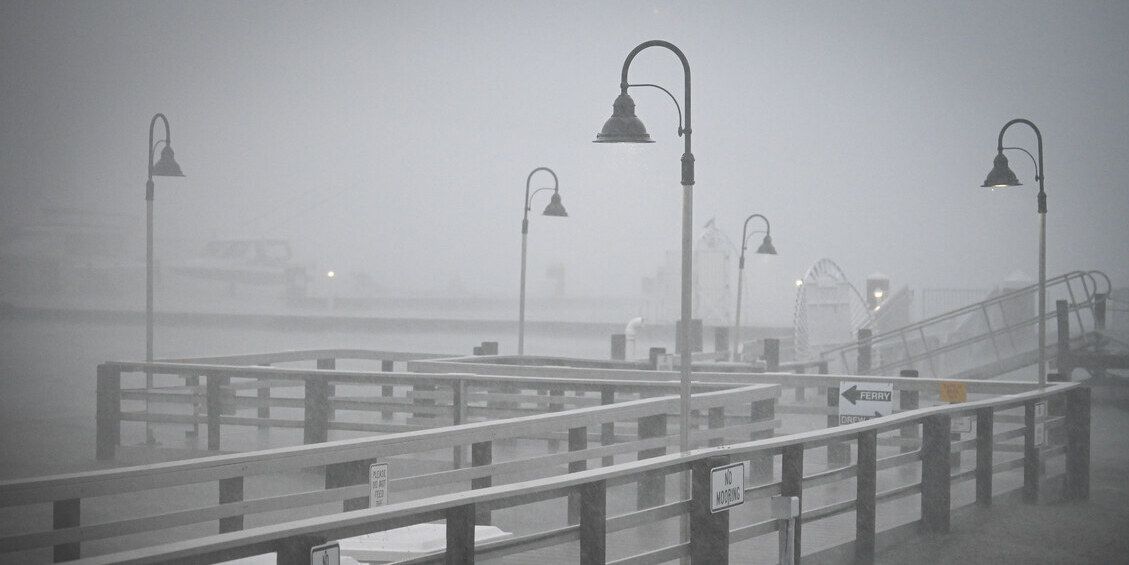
[(633, 428), (711, 536)]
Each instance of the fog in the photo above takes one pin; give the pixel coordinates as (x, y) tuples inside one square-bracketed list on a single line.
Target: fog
[(394, 138)]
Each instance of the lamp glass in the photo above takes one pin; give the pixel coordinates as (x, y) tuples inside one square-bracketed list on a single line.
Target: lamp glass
[(623, 126), (766, 247), (1001, 175), (555, 208), (167, 166)]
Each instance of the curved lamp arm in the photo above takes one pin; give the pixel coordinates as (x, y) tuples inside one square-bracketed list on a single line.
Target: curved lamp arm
[(529, 197), (1039, 173), (687, 155)]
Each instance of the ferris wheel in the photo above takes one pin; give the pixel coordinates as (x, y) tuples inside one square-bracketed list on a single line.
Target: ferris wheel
[(828, 312)]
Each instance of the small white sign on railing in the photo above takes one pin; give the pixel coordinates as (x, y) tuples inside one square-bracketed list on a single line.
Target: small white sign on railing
[(1040, 425), (328, 554), (378, 484), (727, 487)]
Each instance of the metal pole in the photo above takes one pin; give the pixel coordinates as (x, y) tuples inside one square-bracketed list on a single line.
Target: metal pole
[(1042, 297), (735, 355), (521, 307)]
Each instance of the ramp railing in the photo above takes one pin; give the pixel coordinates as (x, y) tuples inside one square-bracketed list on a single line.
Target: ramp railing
[(999, 331)]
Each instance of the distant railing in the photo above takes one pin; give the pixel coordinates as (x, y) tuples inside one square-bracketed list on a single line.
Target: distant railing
[(636, 428), (711, 536)]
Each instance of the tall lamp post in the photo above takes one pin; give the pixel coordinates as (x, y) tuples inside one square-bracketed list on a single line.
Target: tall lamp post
[(625, 127), (556, 209), (166, 166), (765, 248), (1001, 176)]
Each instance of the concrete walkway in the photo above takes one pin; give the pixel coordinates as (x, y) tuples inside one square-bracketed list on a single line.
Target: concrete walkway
[(1096, 531)]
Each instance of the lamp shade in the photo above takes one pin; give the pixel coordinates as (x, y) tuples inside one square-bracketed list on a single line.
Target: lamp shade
[(766, 247), (166, 166), (623, 126), (555, 208), (1001, 175)]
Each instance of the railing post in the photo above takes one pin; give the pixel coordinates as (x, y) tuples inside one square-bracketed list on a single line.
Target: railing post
[(347, 474), (935, 478), (481, 455), (908, 400), (1078, 444), (330, 389), (801, 392), (721, 340), (619, 347), (761, 463), (652, 486), (1030, 455), (577, 441), (214, 402), (607, 429), (838, 453), (231, 490), (66, 514), (108, 412), (653, 355), (316, 427), (593, 523), (715, 420), (460, 535), (792, 484), (386, 391), (555, 393), (489, 348), (985, 435), (1062, 319), (864, 352), (458, 413), (709, 532), (866, 489), (296, 550), (263, 394)]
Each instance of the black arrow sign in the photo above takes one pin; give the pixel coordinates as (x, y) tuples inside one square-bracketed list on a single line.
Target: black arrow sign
[(853, 394)]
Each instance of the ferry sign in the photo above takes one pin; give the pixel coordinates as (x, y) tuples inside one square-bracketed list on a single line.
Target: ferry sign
[(727, 487), (859, 402)]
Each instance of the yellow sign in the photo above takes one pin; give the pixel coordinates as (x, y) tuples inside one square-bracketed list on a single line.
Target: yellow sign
[(953, 392)]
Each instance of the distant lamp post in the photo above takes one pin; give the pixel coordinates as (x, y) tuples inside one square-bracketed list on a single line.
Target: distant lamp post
[(166, 166), (1001, 176), (766, 248), (555, 209), (625, 127)]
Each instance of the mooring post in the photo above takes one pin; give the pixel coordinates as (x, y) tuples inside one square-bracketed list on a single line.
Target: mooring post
[(386, 391), (458, 416), (214, 403), (935, 478), (347, 474), (721, 341), (761, 462), (652, 485), (607, 429), (108, 409), (1078, 444), (864, 351), (653, 355), (593, 523), (838, 453), (866, 489), (985, 435), (771, 354), (1062, 319), (619, 347), (709, 531), (800, 391), (1099, 311), (330, 388)]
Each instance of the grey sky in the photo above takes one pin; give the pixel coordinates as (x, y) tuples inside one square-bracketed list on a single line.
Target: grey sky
[(395, 137)]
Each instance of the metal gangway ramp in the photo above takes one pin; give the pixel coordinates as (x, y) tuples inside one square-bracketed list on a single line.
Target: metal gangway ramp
[(986, 339)]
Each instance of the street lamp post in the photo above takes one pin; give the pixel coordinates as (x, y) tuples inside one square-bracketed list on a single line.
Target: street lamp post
[(166, 166), (625, 127), (1001, 176), (556, 209), (766, 248)]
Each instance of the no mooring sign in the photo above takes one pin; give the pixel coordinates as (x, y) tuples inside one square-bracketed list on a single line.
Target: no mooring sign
[(727, 487)]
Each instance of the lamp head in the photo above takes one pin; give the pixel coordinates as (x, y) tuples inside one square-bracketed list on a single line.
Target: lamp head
[(766, 247), (555, 208), (623, 126), (1001, 175), (166, 166)]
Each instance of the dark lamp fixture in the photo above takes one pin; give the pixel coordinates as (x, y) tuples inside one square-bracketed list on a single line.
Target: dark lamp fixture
[(766, 247), (623, 126), (1001, 175), (166, 166), (555, 208)]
